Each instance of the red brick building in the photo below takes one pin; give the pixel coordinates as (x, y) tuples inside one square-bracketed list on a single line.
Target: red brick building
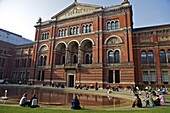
[(89, 44)]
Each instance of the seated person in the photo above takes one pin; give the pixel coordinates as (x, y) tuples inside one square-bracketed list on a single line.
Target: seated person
[(75, 103), (137, 102), (157, 101), (23, 101), (34, 102), (162, 99), (163, 90)]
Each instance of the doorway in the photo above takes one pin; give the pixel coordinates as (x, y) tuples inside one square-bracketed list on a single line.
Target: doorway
[(71, 81)]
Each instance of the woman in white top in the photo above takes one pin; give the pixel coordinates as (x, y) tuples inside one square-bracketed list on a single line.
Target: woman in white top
[(34, 102), (23, 100)]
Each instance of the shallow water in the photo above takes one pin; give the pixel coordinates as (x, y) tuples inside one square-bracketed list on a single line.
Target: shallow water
[(58, 98)]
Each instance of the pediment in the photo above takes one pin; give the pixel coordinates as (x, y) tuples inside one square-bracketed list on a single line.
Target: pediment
[(76, 9)]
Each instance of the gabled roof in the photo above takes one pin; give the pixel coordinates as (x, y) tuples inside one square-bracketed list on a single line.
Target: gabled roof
[(76, 9)]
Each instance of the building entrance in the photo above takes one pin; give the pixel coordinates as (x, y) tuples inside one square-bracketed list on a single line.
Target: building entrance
[(71, 81)]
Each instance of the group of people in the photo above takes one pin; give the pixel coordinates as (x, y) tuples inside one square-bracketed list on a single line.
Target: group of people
[(152, 98), (33, 103)]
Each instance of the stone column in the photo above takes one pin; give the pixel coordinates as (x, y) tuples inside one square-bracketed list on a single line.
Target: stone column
[(79, 55)]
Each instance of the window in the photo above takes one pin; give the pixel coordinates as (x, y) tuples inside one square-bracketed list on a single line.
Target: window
[(145, 77), (75, 59), (90, 28), (87, 28), (41, 61), (117, 57), (110, 76), (110, 57), (165, 77), (117, 25), (1, 75), (112, 25), (45, 60), (169, 56), (150, 57), (108, 26), (40, 76), (29, 63), (162, 56), (45, 35), (153, 77), (143, 57), (88, 58), (63, 60), (74, 30)]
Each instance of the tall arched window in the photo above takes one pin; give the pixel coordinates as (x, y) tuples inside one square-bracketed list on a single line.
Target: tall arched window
[(90, 28), (117, 25), (169, 56), (87, 28), (45, 59), (108, 26), (162, 56), (74, 30), (144, 57), (75, 59), (110, 57), (63, 60), (77, 30), (117, 56), (112, 25), (87, 58), (41, 61), (150, 57), (84, 29)]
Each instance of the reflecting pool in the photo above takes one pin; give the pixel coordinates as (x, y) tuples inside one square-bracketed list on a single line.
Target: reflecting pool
[(60, 98)]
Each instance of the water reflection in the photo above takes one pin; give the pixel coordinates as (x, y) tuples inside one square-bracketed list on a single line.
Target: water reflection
[(60, 97)]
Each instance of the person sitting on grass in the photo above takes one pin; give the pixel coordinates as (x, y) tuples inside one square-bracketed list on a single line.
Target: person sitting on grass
[(34, 102), (23, 101), (137, 102), (157, 101), (75, 103)]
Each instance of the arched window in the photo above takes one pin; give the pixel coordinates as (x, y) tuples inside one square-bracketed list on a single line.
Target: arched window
[(45, 59), (117, 25), (144, 57), (117, 56), (43, 36), (90, 28), (77, 30), (65, 31), (75, 59), (162, 56), (87, 28), (110, 57), (108, 26), (41, 61), (74, 30), (84, 29), (87, 58), (150, 57), (112, 25), (169, 56), (63, 60)]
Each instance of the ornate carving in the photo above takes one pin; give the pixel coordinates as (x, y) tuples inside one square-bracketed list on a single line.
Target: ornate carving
[(147, 39), (164, 38), (114, 40)]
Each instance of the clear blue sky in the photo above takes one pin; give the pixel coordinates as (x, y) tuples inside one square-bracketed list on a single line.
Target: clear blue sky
[(20, 16)]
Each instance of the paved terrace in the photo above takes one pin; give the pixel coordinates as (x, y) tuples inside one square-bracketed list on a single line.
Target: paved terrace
[(122, 93)]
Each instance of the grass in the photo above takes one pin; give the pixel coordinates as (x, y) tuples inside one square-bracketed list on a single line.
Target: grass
[(9, 109)]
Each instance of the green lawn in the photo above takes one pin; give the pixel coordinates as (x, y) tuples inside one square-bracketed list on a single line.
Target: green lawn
[(7, 109)]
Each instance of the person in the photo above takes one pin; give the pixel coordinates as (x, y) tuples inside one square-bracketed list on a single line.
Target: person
[(34, 102), (75, 103), (147, 99), (157, 101), (137, 102), (162, 98), (151, 103), (23, 100)]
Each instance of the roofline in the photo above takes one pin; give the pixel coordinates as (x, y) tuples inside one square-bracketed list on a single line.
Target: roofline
[(10, 32), (151, 27), (75, 3)]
